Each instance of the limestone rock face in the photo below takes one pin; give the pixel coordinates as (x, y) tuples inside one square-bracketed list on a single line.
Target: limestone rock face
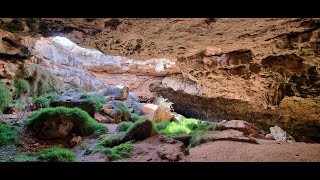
[(264, 71)]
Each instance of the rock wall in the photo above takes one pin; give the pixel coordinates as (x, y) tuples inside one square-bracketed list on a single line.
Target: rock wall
[(260, 70)]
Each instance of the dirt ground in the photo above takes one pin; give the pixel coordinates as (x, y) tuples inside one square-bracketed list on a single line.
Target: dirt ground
[(229, 151)]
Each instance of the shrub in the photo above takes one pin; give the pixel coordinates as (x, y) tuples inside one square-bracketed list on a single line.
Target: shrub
[(22, 87), (8, 134), (42, 80), (5, 97), (124, 126), (164, 103), (95, 100), (87, 123)]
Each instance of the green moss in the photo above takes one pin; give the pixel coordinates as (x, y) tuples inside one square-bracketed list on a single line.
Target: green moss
[(124, 126), (75, 89), (117, 152), (25, 157), (8, 134), (175, 128), (53, 154), (193, 127), (124, 108), (42, 102), (56, 154), (83, 144), (22, 87), (23, 103), (186, 126), (45, 100), (108, 141), (136, 117), (5, 97), (42, 80), (195, 137), (95, 100), (88, 124), (161, 125)]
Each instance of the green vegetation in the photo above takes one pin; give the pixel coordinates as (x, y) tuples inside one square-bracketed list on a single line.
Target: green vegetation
[(42, 80), (124, 126), (161, 125), (45, 100), (135, 117), (56, 154), (83, 144), (42, 102), (87, 123), (53, 154), (5, 97), (194, 127), (124, 108), (8, 134), (117, 152), (23, 157), (95, 100), (23, 103), (185, 126), (109, 140), (22, 87), (75, 89)]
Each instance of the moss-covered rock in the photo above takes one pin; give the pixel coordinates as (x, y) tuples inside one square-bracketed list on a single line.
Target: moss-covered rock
[(61, 122), (8, 134), (5, 97)]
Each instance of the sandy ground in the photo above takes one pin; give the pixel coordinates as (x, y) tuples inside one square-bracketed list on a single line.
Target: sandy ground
[(229, 151)]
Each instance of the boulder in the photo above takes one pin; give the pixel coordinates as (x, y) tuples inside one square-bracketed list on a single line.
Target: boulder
[(213, 51), (162, 115), (54, 127), (280, 135), (140, 131), (72, 100), (101, 118), (226, 135), (148, 110), (269, 136), (239, 125), (75, 140), (115, 112), (119, 92)]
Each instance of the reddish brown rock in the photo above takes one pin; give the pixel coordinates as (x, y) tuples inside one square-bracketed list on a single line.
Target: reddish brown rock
[(148, 110), (101, 118), (239, 125), (269, 136), (162, 115), (213, 51), (75, 140)]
